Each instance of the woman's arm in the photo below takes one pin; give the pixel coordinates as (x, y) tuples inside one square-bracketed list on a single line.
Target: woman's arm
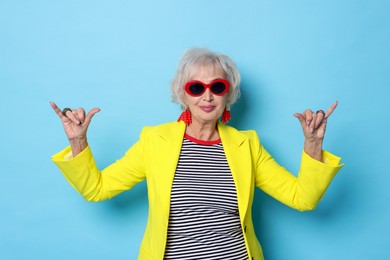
[(302, 192), (95, 185), (317, 169), (78, 165)]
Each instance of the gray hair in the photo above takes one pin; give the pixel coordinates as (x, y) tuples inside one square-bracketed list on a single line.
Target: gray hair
[(195, 58)]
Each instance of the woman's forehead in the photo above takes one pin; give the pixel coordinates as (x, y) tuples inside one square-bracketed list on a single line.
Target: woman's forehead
[(206, 71)]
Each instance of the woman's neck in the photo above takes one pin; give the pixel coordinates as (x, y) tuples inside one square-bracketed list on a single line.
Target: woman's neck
[(205, 132)]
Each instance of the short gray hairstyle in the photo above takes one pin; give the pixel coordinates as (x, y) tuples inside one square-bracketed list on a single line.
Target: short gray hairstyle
[(195, 58)]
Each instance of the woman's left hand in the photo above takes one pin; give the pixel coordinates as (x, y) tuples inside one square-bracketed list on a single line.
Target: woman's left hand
[(314, 127)]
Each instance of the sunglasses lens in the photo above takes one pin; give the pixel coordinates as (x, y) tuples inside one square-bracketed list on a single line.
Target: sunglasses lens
[(196, 89), (218, 87)]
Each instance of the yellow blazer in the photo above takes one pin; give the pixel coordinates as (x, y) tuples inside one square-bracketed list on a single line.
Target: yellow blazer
[(155, 156)]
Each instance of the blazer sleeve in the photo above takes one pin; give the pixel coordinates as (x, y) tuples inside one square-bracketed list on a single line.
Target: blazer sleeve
[(95, 185), (303, 192)]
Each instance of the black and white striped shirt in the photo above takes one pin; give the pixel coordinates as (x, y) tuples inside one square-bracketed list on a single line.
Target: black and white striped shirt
[(204, 221)]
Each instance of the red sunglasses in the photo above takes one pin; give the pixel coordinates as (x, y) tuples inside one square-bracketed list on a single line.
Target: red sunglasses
[(196, 88)]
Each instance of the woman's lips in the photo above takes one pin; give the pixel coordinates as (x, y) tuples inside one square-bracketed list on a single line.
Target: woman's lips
[(207, 108)]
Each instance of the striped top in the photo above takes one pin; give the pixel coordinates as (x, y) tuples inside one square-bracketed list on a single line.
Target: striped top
[(204, 221)]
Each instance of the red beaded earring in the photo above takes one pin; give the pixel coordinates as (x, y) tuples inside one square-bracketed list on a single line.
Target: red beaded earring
[(185, 117), (226, 116)]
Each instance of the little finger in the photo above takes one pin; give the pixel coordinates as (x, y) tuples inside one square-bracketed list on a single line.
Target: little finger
[(56, 109), (331, 109)]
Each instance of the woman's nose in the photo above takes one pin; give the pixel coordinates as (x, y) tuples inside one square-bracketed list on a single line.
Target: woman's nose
[(207, 95)]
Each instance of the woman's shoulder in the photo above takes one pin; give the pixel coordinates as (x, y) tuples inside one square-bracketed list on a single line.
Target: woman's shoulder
[(234, 130), (231, 131), (177, 128), (169, 128), (164, 126)]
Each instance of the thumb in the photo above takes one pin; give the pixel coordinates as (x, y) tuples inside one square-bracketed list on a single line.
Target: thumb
[(90, 114), (301, 119)]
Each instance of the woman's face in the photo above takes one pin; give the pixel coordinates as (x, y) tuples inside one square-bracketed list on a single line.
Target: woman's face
[(208, 107)]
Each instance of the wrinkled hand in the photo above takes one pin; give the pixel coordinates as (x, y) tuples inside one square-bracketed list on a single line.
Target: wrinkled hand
[(314, 123), (314, 127), (76, 124)]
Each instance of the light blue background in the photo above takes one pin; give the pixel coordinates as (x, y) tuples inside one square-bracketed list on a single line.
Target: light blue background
[(121, 56)]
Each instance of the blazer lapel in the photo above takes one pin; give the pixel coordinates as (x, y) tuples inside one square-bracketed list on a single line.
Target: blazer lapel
[(237, 150), (169, 141)]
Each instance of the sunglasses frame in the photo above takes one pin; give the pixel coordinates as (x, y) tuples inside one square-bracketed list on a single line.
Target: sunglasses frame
[(207, 86)]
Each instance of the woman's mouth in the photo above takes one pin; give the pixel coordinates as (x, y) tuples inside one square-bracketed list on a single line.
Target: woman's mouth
[(207, 108)]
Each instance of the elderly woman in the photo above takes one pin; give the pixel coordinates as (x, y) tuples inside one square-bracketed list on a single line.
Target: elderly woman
[(200, 173)]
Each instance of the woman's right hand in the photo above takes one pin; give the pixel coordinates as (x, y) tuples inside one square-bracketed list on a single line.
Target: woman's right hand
[(76, 124)]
